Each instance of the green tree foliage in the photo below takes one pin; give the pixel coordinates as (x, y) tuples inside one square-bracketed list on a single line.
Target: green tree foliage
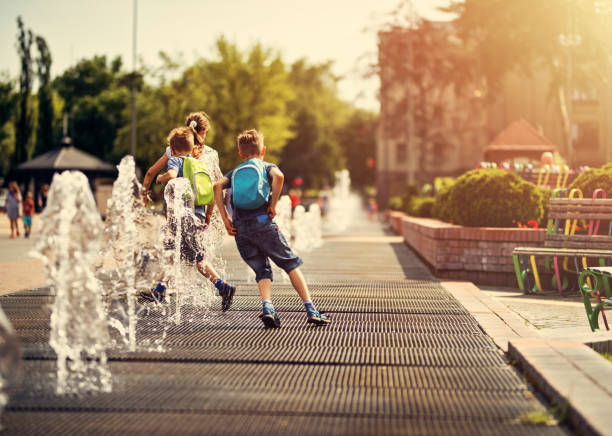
[(45, 138), (8, 100), (315, 152), (239, 90), (358, 141), (243, 92), (24, 117), (96, 100), (489, 198)]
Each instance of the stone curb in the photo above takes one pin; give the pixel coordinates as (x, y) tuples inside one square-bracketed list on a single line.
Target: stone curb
[(569, 373)]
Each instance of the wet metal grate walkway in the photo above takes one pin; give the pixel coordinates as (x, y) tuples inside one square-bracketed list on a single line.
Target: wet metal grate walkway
[(401, 357)]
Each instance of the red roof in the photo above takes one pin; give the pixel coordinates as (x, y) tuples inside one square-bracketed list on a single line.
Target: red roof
[(520, 132)]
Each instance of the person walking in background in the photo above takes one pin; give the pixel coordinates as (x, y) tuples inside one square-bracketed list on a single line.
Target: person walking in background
[(42, 197), (323, 199), (28, 212), (13, 200)]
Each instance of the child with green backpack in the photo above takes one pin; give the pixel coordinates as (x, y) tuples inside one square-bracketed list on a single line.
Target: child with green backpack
[(182, 164)]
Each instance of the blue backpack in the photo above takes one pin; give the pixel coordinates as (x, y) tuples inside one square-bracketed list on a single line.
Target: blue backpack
[(250, 186)]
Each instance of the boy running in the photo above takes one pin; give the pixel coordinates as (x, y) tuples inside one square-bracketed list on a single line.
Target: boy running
[(256, 186)]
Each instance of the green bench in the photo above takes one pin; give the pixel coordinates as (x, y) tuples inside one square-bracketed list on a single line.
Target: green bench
[(579, 233), (591, 282)]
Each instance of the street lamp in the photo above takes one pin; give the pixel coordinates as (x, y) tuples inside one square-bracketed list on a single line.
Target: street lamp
[(134, 80)]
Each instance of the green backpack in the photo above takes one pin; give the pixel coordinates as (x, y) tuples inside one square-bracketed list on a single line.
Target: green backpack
[(201, 182)]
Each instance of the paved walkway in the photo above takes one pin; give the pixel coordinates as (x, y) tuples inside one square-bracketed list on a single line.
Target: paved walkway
[(401, 357)]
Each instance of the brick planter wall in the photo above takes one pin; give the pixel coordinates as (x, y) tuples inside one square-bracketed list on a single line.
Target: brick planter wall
[(482, 255)]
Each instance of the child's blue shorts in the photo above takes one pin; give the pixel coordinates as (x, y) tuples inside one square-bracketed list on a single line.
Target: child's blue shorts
[(260, 240), (27, 221)]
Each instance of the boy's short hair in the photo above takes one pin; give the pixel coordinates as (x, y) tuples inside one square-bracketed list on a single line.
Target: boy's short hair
[(181, 139), (250, 142)]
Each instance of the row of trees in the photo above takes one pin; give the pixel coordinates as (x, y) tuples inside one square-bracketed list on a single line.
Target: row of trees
[(308, 129)]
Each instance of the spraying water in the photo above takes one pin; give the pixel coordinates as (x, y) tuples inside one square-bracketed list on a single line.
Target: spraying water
[(184, 234), (10, 361), (68, 245), (124, 211), (343, 204)]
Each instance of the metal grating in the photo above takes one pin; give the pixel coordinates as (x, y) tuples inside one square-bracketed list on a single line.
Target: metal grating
[(235, 423), (401, 357)]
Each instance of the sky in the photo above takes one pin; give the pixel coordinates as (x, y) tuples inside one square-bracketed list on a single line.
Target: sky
[(318, 30)]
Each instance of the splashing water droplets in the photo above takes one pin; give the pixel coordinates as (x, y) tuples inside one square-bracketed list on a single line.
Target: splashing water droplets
[(68, 244)]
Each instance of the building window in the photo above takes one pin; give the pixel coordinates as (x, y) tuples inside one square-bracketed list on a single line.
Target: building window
[(586, 136), (401, 152)]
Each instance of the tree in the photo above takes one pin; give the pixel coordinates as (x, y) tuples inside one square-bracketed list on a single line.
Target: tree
[(96, 99), (427, 92), (8, 102), (44, 136), (242, 92), (239, 90), (358, 141), (24, 117), (314, 153)]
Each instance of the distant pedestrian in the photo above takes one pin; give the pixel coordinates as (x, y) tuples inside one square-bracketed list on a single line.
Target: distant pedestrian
[(13, 201), (372, 208), (42, 197), (28, 212), (324, 198)]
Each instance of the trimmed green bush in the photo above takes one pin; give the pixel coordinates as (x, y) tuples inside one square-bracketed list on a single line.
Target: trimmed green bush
[(439, 209), (489, 198), (421, 207), (590, 180), (396, 203)]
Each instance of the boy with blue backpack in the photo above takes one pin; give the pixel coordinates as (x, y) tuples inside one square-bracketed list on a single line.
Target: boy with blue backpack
[(256, 186), (182, 164)]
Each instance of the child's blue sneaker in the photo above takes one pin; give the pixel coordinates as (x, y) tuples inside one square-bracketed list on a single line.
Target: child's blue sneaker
[(317, 318), (227, 296), (226, 291), (158, 294), (270, 318)]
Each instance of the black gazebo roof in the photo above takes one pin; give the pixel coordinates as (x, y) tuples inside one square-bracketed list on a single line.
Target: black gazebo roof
[(67, 157)]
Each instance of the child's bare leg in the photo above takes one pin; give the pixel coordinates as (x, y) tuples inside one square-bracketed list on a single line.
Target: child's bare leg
[(299, 284), (207, 271), (265, 289), (226, 291)]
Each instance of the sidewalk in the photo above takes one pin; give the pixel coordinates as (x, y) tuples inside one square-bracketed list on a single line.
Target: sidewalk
[(402, 356), (17, 269)]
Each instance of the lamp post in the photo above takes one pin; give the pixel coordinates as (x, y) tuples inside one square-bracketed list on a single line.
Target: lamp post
[(134, 78), (569, 40)]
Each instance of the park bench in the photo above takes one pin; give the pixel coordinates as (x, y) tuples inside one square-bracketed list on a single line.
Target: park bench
[(591, 282), (579, 233)]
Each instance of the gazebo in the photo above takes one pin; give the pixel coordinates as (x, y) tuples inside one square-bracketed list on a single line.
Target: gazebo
[(65, 157), (40, 170), (518, 140)]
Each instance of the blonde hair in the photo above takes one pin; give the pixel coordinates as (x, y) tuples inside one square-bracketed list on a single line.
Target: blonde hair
[(250, 142), (181, 139), (198, 122)]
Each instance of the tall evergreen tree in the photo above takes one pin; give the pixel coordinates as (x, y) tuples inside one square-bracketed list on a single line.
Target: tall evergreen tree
[(44, 135), (24, 117)]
